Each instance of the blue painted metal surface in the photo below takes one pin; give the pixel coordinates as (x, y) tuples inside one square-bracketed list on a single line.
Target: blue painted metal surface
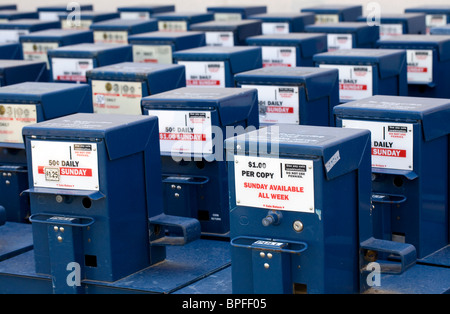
[(298, 95), (367, 72), (240, 31), (30, 25), (19, 71), (216, 66), (411, 192), (104, 237), (195, 178), (112, 91), (201, 266), (24, 104), (321, 251), (11, 51), (428, 59), (83, 57), (289, 50)]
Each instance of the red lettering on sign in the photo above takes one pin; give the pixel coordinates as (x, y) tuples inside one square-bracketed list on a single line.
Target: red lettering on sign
[(412, 69), (352, 87), (182, 137), (387, 152)]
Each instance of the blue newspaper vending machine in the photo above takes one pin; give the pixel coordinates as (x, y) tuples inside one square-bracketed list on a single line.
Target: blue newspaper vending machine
[(300, 211), (283, 23), (410, 168), (428, 60), (216, 66), (298, 95), (70, 63), (21, 105), (347, 35), (367, 72), (228, 33), (119, 88), (289, 50), (193, 123), (158, 47), (116, 31), (335, 13), (82, 214)]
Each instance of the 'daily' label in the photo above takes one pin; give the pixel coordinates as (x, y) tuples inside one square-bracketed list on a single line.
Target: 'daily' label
[(71, 69), (65, 165), (392, 143), (420, 66), (272, 183), (204, 73), (355, 81)]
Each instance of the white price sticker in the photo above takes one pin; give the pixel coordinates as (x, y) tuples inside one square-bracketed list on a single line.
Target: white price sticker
[(117, 97), (277, 104), (339, 41), (219, 39), (37, 51), (111, 37), (153, 54), (355, 82), (184, 131), (65, 165), (71, 69), (11, 35), (13, 118), (435, 20), (172, 26), (204, 74), (420, 66), (276, 184), (274, 28), (392, 143), (279, 56), (327, 18)]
